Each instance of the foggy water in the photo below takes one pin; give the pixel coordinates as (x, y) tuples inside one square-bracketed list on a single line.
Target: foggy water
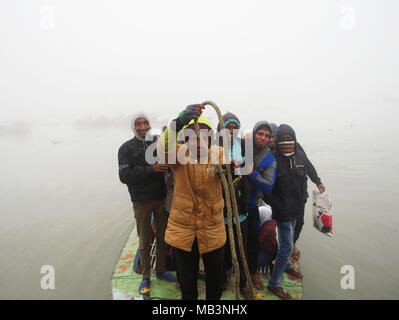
[(361, 176), (61, 204)]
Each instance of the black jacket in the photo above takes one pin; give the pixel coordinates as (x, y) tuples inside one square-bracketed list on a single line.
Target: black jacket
[(312, 173), (137, 174), (289, 194)]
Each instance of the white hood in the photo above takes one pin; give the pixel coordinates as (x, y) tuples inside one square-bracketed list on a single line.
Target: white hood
[(265, 214), (133, 120)]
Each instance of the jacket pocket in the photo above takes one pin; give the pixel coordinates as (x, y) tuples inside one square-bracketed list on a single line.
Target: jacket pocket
[(301, 170), (182, 210), (217, 216), (283, 179)]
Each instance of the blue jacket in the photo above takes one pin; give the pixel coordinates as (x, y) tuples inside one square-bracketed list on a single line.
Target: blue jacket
[(264, 174), (263, 179)]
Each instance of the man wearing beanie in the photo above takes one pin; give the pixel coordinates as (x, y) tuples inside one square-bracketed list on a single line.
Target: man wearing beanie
[(196, 222), (314, 177), (288, 203), (146, 186)]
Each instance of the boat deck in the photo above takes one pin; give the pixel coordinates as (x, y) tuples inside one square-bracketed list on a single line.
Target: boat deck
[(125, 281)]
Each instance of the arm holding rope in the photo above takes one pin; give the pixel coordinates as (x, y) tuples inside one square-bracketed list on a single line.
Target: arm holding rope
[(168, 140)]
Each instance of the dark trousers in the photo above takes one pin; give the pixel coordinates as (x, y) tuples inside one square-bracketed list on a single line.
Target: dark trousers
[(142, 213), (188, 266), (253, 240), (298, 227), (175, 264), (227, 253)]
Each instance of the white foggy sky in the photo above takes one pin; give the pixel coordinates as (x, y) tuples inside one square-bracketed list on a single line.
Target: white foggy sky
[(276, 60)]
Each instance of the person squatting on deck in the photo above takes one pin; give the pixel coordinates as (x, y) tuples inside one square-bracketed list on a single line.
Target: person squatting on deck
[(146, 186), (196, 223), (267, 239)]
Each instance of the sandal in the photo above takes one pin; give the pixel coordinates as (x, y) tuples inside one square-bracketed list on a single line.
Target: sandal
[(294, 272), (257, 282), (296, 255), (280, 292), (145, 286), (246, 293)]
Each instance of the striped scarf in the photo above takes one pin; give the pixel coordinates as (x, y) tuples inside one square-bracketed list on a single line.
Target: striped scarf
[(287, 148)]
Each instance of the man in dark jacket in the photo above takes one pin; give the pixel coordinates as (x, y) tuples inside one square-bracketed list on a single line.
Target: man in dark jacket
[(312, 174), (287, 201), (146, 186)]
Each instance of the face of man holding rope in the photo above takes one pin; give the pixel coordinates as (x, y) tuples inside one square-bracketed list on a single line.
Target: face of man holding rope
[(198, 151), (197, 147)]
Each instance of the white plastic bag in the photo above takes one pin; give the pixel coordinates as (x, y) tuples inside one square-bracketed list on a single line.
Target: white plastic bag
[(322, 214)]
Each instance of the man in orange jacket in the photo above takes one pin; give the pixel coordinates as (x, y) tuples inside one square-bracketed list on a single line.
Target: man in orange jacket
[(196, 223)]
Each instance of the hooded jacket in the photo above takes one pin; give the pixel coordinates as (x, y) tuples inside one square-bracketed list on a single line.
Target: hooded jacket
[(134, 171), (235, 151), (290, 190), (197, 206), (264, 173), (274, 127), (230, 117), (312, 173), (242, 187)]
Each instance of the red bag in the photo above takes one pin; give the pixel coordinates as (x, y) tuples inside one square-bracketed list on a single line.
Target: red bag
[(322, 215)]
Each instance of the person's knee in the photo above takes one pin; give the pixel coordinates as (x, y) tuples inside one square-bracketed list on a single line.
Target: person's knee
[(285, 248)]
